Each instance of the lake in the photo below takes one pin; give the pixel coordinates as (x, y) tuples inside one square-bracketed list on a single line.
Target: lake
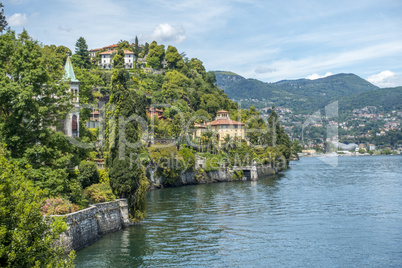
[(312, 215)]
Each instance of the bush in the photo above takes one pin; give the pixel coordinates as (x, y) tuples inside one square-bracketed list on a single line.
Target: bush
[(98, 193), (237, 174), (103, 176), (58, 206), (88, 173)]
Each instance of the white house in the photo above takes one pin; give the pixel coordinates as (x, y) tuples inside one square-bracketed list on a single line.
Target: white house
[(106, 61)]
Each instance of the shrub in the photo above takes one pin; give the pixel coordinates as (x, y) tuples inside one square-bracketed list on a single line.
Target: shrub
[(58, 206), (98, 193), (237, 174), (103, 176), (88, 173)]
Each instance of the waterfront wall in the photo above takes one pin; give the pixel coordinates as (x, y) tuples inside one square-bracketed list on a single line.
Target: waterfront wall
[(219, 175), (87, 225)]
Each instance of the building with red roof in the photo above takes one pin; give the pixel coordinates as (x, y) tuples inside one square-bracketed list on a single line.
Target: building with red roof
[(222, 126)]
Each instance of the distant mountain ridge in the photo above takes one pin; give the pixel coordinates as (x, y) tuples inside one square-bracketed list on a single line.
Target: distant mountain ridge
[(304, 95)]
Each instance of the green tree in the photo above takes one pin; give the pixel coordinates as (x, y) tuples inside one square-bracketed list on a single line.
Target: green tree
[(3, 22), (126, 176), (118, 59), (63, 52), (81, 57), (173, 58), (32, 101), (146, 48), (156, 55), (296, 147), (197, 65), (27, 239), (124, 45), (31, 97), (88, 173), (89, 79), (136, 49)]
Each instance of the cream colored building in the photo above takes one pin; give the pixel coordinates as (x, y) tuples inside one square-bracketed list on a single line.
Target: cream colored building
[(222, 126)]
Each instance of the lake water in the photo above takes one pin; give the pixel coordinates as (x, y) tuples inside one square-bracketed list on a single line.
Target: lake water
[(313, 215)]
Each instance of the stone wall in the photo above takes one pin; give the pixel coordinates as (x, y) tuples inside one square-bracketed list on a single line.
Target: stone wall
[(87, 225)]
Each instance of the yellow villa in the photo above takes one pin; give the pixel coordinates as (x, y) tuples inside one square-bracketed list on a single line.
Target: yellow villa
[(222, 126)]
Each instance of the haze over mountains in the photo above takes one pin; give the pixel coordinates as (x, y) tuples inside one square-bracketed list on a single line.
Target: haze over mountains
[(307, 96)]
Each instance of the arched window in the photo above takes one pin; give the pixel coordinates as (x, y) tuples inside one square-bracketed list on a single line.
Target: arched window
[(74, 126)]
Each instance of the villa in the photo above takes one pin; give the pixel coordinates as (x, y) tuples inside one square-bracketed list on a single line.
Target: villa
[(222, 127)]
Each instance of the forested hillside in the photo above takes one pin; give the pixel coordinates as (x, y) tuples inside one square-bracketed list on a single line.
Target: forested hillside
[(307, 96)]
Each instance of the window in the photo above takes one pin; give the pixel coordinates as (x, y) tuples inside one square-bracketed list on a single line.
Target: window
[(74, 126)]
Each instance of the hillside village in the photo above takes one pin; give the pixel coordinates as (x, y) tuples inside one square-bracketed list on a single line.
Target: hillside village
[(366, 128)]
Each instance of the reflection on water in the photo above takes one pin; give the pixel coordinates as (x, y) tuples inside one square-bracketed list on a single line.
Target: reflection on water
[(312, 215)]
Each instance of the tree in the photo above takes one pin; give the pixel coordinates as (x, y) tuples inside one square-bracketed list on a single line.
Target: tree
[(81, 57), (27, 239), (88, 173), (173, 58), (156, 55), (126, 176), (118, 59), (146, 48), (63, 52), (124, 45), (196, 64), (3, 22), (88, 81), (136, 49), (33, 100)]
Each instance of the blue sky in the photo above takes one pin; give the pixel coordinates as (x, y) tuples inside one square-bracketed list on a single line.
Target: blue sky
[(262, 39)]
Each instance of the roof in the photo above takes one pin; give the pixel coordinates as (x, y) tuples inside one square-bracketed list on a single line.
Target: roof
[(222, 112), (69, 71), (224, 122), (115, 51), (219, 122)]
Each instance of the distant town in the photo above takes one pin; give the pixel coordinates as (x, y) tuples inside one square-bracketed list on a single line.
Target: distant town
[(365, 130)]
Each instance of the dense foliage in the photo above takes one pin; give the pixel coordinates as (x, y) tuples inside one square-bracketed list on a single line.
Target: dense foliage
[(26, 238)]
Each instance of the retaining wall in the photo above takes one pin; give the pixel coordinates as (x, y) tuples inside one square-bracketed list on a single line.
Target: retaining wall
[(87, 225)]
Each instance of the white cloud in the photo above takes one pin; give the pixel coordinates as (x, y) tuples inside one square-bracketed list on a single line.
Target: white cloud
[(317, 76), (17, 19), (164, 32), (264, 69), (386, 79)]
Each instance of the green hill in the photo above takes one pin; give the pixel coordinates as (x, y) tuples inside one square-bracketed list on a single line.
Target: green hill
[(331, 86), (302, 95), (388, 98)]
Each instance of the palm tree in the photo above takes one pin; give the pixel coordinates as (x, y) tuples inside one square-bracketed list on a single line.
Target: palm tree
[(229, 143)]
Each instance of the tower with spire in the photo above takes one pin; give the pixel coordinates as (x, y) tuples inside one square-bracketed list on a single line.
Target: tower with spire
[(71, 126)]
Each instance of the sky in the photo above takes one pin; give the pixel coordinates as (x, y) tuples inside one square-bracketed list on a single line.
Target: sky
[(261, 39)]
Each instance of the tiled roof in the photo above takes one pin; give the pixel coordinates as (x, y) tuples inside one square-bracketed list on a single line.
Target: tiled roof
[(219, 122), (115, 51), (224, 122)]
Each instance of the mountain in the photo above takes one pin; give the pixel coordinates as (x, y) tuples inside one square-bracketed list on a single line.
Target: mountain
[(302, 95), (388, 98), (227, 79), (330, 86)]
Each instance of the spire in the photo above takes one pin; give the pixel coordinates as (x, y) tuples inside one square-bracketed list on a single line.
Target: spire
[(69, 71)]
